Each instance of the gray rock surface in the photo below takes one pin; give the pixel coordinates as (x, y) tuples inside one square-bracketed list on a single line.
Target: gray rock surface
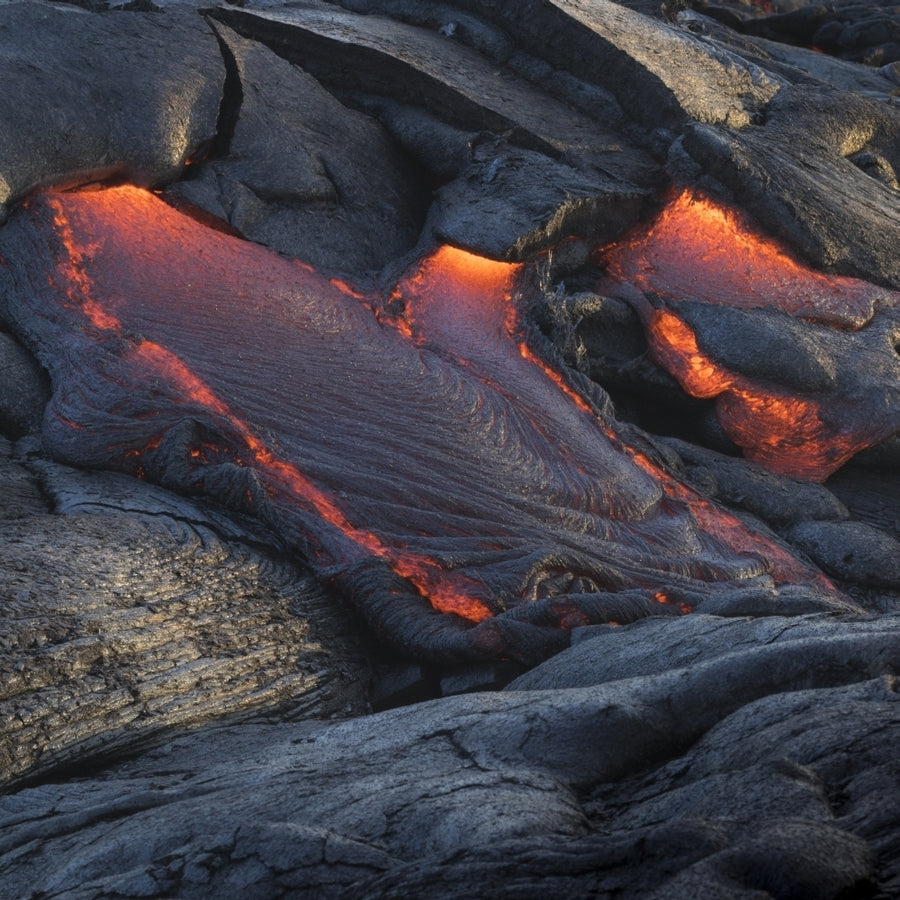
[(287, 174), (852, 550), (523, 167), (776, 499), (90, 97), (23, 389), (625, 788), (126, 610), (809, 147), (660, 74), (511, 203)]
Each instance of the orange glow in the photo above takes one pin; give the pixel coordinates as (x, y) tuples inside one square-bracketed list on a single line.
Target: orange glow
[(787, 434), (530, 356), (698, 249), (453, 285), (676, 348), (78, 283), (468, 290), (452, 265), (727, 528), (540, 464), (663, 598), (169, 366), (345, 288), (446, 591)]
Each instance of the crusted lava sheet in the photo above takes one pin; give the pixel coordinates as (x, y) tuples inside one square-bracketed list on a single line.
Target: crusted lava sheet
[(416, 448)]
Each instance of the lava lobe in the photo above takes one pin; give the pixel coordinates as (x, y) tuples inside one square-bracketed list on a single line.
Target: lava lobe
[(801, 364), (418, 449)]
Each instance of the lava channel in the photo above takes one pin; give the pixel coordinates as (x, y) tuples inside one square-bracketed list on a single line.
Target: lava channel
[(416, 449)]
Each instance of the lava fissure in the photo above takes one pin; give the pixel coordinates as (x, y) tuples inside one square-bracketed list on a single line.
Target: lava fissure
[(469, 509)]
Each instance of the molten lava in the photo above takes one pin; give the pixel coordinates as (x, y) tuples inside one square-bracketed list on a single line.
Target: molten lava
[(698, 251), (415, 449), (697, 248)]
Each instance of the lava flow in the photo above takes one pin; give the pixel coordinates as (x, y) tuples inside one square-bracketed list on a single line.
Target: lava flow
[(797, 344), (416, 450)]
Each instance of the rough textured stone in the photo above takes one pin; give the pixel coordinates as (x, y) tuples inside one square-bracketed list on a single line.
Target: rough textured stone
[(660, 74), (852, 550), (774, 498), (375, 55), (511, 204), (795, 173), (681, 756), (89, 97), (621, 789), (23, 389), (287, 173), (129, 610)]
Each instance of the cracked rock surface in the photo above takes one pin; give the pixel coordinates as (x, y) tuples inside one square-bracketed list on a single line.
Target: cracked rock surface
[(728, 775), (127, 611)]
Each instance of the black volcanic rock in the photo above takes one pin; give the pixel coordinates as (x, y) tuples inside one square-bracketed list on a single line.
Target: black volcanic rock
[(92, 97), (864, 32), (726, 775), (23, 389), (795, 172), (518, 167), (168, 678), (512, 204), (852, 550), (288, 172), (127, 610), (379, 56)]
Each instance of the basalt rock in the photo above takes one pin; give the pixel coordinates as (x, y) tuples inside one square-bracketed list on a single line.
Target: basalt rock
[(524, 167), (167, 664), (87, 97), (819, 171), (23, 389), (729, 773), (286, 172), (802, 366), (863, 32), (379, 56), (512, 204), (127, 610)]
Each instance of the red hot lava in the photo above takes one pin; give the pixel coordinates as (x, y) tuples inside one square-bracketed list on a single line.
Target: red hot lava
[(698, 251), (416, 450)]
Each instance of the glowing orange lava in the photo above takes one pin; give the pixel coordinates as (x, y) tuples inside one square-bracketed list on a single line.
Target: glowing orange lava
[(446, 592), (786, 434), (698, 249), (475, 292), (415, 446)]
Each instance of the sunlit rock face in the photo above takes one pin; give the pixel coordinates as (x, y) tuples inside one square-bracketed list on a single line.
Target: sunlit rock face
[(90, 96), (802, 364), (416, 448)]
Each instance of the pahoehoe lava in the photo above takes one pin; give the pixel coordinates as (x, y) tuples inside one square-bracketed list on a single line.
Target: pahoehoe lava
[(416, 447), (802, 364)]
